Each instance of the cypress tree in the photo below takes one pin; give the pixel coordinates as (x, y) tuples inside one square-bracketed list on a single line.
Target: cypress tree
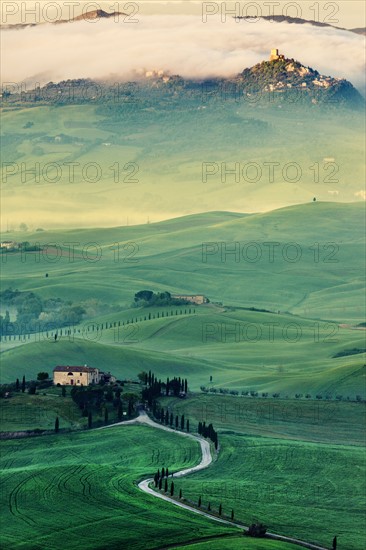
[(23, 384), (209, 506), (17, 385), (156, 480), (158, 474), (185, 385), (166, 472), (200, 428), (119, 411), (172, 488), (199, 502), (163, 472), (182, 422), (220, 509), (180, 493), (187, 425), (63, 391), (57, 424), (160, 483), (167, 417), (171, 419), (176, 422), (232, 515), (166, 486)]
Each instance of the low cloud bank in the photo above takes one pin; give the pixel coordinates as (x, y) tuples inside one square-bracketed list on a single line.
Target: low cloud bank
[(176, 44)]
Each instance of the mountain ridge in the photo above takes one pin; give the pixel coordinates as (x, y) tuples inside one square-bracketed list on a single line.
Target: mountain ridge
[(102, 14)]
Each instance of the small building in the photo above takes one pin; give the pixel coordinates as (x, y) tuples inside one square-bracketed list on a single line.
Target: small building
[(107, 377), (75, 376), (192, 298), (275, 56), (9, 245)]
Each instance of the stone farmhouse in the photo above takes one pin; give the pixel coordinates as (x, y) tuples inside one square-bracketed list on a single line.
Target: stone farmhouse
[(80, 376), (193, 298)]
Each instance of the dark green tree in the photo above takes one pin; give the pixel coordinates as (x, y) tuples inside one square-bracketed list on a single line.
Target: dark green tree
[(180, 493), (106, 415), (166, 486), (63, 391), (120, 411), (42, 376), (23, 384), (176, 422), (187, 424), (160, 483), (57, 425), (199, 502), (232, 515), (172, 488), (17, 385), (220, 509), (182, 422)]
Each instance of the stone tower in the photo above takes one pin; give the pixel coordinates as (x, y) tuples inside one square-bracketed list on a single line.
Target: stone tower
[(274, 55)]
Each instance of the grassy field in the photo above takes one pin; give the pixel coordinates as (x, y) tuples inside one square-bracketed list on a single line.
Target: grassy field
[(79, 491), (28, 412), (317, 276), (297, 466), (237, 543), (308, 491), (300, 420), (242, 350)]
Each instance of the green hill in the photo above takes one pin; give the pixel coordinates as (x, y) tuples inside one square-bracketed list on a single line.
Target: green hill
[(305, 259)]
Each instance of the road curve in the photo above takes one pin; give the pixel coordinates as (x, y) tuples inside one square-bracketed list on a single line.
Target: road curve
[(206, 460)]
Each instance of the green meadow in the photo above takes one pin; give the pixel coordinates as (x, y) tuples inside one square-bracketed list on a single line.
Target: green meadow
[(304, 259), (295, 465), (78, 490), (307, 491), (241, 350)]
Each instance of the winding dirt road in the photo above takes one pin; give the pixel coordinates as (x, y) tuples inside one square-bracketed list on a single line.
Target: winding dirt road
[(206, 460)]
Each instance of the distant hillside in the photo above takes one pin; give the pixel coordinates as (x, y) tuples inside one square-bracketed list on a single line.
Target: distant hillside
[(290, 77), (314, 269), (88, 16), (285, 80), (101, 14), (299, 21)]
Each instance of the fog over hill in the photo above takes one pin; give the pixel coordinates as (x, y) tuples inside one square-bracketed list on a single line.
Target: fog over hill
[(184, 45)]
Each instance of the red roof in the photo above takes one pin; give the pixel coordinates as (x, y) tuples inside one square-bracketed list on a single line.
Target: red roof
[(73, 369)]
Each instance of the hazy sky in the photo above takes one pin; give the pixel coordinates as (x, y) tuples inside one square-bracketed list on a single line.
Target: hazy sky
[(344, 13)]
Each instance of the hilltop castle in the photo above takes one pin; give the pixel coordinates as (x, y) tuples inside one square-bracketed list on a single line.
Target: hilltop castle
[(275, 55)]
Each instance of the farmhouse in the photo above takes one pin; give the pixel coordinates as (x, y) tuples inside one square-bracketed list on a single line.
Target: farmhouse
[(75, 376), (9, 245), (193, 298)]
